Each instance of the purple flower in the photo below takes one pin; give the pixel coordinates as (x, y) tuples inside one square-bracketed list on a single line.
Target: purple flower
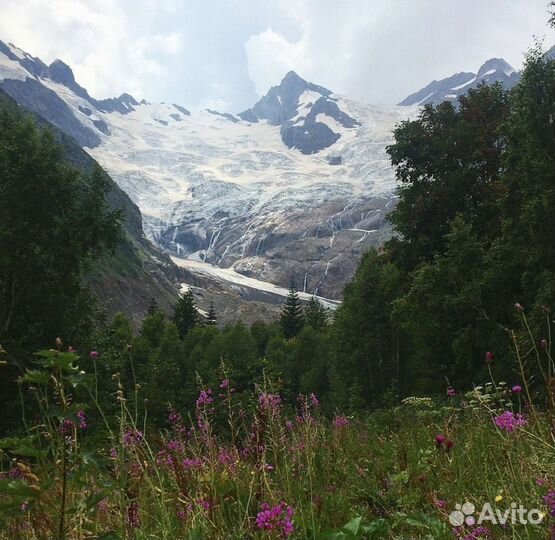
[(132, 437), (269, 403), (204, 398), (489, 357), (549, 500), (94, 354), (314, 400), (451, 392), (278, 518), (509, 422), (440, 439), (132, 517), (224, 384), (441, 504), (516, 389), (83, 424), (340, 421)]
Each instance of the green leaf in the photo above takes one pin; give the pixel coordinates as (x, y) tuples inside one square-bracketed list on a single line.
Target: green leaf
[(16, 488), (354, 526), (36, 376), (29, 451)]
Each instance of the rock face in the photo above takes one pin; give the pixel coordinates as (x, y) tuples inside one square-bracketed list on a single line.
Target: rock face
[(291, 191), (492, 71), (137, 271), (295, 105)]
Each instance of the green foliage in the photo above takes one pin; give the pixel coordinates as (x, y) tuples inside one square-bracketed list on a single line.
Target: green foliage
[(292, 317), (43, 203), (186, 315)]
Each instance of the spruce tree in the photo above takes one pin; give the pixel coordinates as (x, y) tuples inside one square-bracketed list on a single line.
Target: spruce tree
[(152, 307), (211, 318), (315, 313), (292, 317), (186, 315)]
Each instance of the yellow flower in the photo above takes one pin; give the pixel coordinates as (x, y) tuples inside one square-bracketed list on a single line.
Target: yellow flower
[(499, 498)]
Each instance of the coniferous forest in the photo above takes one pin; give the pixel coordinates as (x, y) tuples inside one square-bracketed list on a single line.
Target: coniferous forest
[(431, 384)]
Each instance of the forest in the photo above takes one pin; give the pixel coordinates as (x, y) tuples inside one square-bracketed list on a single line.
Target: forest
[(370, 421)]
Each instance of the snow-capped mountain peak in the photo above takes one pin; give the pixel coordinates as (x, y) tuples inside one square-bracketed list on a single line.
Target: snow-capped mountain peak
[(449, 89), (309, 115), (293, 190)]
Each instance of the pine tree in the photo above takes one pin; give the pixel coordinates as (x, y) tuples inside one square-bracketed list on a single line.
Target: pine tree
[(292, 317), (186, 315), (316, 314), (211, 318), (152, 307)]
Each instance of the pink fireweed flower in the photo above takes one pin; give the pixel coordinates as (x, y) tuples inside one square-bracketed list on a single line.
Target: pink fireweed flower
[(132, 438), (451, 392), (340, 421), (490, 357), (509, 421), (83, 421), (516, 389), (132, 517), (440, 439), (224, 384), (205, 398), (269, 403), (94, 354), (314, 400), (278, 518), (441, 504)]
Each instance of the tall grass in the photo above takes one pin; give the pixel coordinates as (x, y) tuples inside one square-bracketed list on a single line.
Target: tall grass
[(249, 466)]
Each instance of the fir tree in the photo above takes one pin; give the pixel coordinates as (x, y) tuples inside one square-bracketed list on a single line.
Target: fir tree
[(292, 317), (152, 307), (316, 314), (211, 318), (186, 315)]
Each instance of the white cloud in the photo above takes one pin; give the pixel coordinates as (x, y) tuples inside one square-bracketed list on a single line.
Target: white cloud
[(97, 38), (270, 56)]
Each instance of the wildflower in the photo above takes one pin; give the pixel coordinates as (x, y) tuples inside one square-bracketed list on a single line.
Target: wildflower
[(519, 307), (278, 518), (132, 517), (549, 500), (340, 422), (314, 400), (132, 437), (451, 392), (441, 504), (289, 424), (498, 498), (269, 402), (509, 422), (94, 354), (70, 349), (24, 506), (440, 439), (540, 481), (83, 424), (516, 389), (204, 398), (448, 445), (489, 357), (224, 385)]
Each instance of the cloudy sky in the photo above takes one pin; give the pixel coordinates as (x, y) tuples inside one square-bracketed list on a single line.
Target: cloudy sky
[(225, 53)]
